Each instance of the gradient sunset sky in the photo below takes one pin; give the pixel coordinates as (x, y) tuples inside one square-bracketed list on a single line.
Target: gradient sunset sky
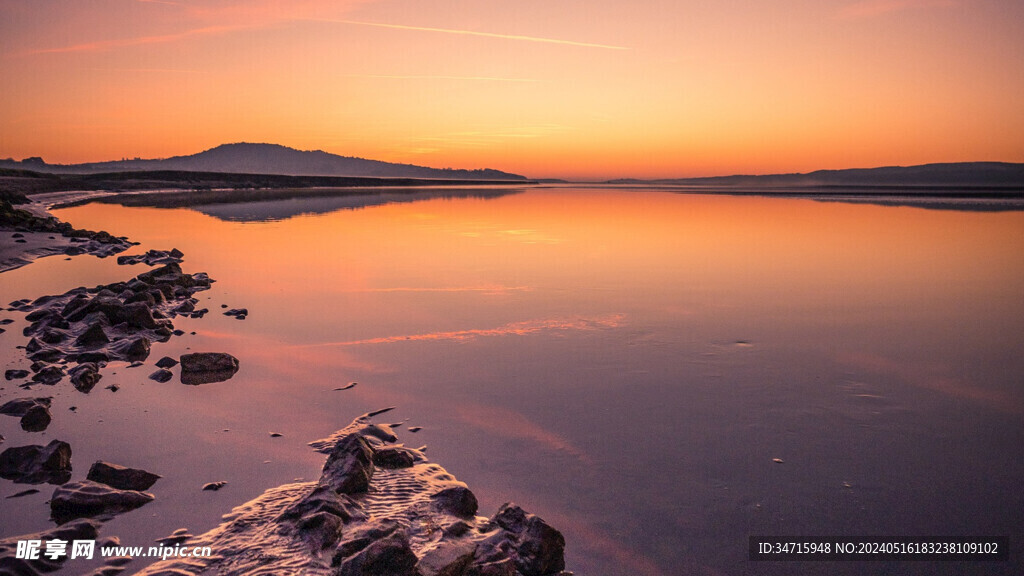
[(571, 88)]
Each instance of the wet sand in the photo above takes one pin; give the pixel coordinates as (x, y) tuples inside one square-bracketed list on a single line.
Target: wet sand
[(14, 254)]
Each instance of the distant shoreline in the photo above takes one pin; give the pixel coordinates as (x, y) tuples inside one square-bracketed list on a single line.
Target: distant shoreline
[(16, 184)]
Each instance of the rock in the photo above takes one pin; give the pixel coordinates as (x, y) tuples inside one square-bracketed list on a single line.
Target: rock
[(20, 406), (214, 486), (49, 375), (208, 362), (54, 336), (349, 466), (457, 501), (37, 464), (207, 367), (139, 315), (162, 375), (15, 374), (88, 499), (243, 312), (36, 419), (389, 556), (93, 336), (85, 376), (394, 457), (322, 499), (539, 548), (447, 559), (136, 349), (166, 362), (120, 477)]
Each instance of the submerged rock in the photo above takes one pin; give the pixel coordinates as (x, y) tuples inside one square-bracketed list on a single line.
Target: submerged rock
[(121, 477), (89, 499), (37, 464), (15, 374)]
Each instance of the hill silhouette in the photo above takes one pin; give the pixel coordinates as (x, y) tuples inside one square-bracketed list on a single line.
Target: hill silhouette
[(959, 174), (247, 158)]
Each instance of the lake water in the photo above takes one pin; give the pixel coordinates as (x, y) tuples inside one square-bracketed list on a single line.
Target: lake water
[(628, 364)]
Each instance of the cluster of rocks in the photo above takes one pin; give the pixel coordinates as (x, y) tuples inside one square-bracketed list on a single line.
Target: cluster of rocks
[(93, 326), (153, 258), (79, 507), (378, 509)]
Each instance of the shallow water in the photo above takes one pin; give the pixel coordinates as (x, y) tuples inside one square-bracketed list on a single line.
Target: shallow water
[(625, 363)]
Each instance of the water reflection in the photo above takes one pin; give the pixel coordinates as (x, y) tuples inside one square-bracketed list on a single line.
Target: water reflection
[(627, 363), (275, 205)]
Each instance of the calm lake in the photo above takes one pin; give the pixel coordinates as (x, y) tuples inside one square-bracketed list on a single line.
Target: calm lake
[(658, 375)]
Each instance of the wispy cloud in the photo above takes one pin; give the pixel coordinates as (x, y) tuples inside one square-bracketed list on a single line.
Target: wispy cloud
[(441, 77), (872, 8), (165, 2), (517, 37)]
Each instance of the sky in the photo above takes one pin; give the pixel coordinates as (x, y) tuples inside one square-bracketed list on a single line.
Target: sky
[(582, 89)]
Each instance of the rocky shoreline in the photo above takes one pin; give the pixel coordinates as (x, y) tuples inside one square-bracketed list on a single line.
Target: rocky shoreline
[(379, 508), (33, 236)]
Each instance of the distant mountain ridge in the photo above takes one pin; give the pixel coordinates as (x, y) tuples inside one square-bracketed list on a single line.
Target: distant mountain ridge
[(247, 158), (968, 174)]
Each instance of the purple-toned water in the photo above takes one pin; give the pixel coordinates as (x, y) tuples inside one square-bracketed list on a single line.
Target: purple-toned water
[(626, 363)]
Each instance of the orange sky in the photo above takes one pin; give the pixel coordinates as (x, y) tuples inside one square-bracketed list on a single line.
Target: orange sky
[(575, 88)]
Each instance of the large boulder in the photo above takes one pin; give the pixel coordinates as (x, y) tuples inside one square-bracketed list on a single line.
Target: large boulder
[(87, 499), (121, 477), (37, 464)]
